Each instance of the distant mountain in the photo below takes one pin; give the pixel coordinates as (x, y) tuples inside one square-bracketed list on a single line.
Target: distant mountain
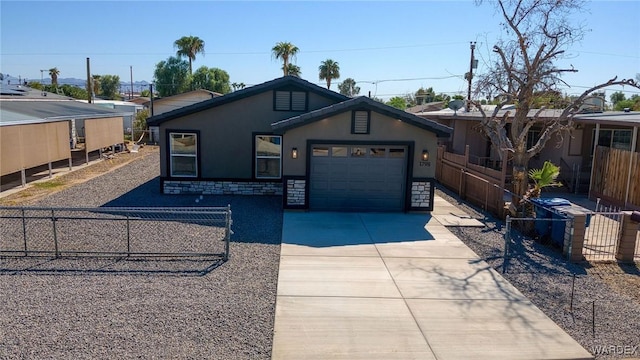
[(125, 87)]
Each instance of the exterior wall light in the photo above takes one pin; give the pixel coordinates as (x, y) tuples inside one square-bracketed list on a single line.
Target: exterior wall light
[(425, 155), (294, 153)]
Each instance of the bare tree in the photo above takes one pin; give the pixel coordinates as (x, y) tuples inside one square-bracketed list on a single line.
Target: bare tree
[(538, 33)]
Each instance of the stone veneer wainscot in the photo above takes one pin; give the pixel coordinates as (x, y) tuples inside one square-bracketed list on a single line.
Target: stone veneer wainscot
[(296, 192), (222, 187), (420, 194)]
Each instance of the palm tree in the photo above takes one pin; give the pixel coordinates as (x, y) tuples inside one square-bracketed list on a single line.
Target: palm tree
[(293, 70), (329, 70), (238, 86), (348, 87), (189, 46), (54, 72), (95, 84), (542, 178), (545, 177), (284, 51)]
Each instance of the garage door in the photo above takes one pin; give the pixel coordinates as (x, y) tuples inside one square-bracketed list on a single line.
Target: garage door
[(357, 178)]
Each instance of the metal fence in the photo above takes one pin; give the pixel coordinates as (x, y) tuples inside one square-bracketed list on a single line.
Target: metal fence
[(562, 222), (602, 235), (116, 232)]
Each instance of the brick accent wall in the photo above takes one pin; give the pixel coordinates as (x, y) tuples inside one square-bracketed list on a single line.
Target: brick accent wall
[(222, 187), (296, 190), (421, 194)]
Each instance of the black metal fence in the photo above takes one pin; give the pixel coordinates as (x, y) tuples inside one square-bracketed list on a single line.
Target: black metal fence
[(116, 232)]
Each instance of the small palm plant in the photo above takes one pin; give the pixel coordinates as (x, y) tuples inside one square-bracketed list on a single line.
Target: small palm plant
[(547, 176)]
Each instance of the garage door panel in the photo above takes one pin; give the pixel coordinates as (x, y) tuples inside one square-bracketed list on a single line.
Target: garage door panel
[(320, 186), (373, 182)]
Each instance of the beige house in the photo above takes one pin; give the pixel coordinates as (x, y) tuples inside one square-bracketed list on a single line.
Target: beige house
[(574, 153), (170, 103)]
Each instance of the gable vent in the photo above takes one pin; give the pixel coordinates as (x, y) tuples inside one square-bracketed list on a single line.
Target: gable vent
[(282, 100), (361, 122), (298, 101)]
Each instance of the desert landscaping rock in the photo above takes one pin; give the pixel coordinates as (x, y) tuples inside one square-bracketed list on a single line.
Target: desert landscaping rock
[(170, 308), (542, 274)]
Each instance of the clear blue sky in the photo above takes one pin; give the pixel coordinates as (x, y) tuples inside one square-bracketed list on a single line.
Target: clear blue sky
[(372, 41)]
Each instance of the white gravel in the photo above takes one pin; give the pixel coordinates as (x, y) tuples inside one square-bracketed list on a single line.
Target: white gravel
[(107, 309), (542, 274)]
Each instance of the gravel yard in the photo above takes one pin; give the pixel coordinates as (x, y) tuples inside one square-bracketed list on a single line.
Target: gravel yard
[(104, 308), (544, 276)]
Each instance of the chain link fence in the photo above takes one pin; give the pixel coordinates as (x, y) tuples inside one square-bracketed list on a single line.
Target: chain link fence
[(116, 232)]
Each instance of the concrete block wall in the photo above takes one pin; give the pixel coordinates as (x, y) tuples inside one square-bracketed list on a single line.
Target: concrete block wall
[(222, 187), (628, 236), (574, 238)]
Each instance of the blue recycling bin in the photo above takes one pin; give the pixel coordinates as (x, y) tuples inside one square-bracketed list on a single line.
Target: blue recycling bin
[(545, 210), (558, 227)]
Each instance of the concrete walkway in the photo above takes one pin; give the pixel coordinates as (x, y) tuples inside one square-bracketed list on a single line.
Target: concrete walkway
[(387, 286)]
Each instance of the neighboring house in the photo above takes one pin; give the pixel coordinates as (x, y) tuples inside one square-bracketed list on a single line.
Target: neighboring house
[(574, 153), (39, 128), (431, 106), (140, 100), (127, 108), (170, 103), (319, 149)]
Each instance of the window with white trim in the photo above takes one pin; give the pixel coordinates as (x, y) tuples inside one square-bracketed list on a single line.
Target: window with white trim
[(290, 100), (268, 157), (183, 154)]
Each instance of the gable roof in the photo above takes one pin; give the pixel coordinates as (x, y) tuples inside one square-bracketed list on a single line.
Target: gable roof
[(245, 93), (358, 103)]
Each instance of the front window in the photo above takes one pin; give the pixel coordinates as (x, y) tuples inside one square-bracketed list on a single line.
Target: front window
[(268, 156), (183, 154), (614, 138), (532, 138)]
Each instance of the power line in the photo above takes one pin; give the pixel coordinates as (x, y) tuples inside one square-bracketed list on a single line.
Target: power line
[(235, 52)]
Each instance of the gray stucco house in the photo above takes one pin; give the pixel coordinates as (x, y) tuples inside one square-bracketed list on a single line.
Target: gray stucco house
[(319, 149)]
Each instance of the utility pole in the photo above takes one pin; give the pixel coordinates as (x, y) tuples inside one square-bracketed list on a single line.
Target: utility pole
[(89, 87), (470, 77), (151, 95), (131, 71), (41, 81)]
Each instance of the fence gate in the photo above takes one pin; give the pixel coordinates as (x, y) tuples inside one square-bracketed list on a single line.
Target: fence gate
[(603, 234), (115, 232)]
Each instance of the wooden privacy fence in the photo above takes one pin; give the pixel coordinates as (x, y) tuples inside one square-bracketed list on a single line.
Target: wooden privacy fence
[(616, 177), (479, 185)]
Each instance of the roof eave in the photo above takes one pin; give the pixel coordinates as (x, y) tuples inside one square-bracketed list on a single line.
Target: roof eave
[(244, 93), (356, 103)]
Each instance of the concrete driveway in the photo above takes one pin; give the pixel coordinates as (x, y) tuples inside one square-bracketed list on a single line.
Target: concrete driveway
[(400, 286)]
